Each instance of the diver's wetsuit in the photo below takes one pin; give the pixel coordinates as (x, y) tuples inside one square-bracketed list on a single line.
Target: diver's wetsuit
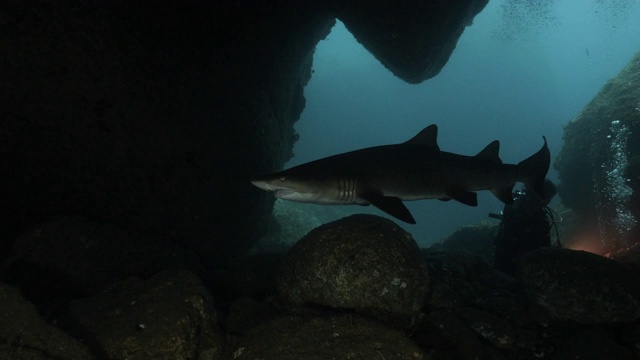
[(524, 227)]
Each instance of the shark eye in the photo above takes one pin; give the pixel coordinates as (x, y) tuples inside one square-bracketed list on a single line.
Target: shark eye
[(282, 178)]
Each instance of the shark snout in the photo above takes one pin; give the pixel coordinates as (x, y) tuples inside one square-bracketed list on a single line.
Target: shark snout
[(269, 185), (262, 185)]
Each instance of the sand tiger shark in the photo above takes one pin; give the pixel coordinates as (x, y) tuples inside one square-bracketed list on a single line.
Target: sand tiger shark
[(384, 176)]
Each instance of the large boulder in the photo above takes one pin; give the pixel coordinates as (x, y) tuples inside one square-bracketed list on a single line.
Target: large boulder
[(364, 263), (72, 257), (344, 336), (580, 286), (476, 239), (599, 164), (475, 312), (170, 316), (25, 335)]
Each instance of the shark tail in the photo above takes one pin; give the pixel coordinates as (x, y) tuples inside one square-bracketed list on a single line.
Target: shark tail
[(533, 170)]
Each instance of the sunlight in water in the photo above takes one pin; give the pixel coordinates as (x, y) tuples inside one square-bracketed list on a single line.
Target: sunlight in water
[(587, 241)]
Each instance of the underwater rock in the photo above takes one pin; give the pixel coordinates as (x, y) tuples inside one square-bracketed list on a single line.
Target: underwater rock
[(444, 331), (253, 275), (470, 333), (72, 257), (476, 239), (459, 279), (581, 342), (148, 114), (599, 164), (629, 258), (170, 316), (155, 115), (629, 335), (471, 305), (413, 39), (364, 263), (580, 286), (245, 313), (341, 336), (497, 331), (289, 222), (24, 334)]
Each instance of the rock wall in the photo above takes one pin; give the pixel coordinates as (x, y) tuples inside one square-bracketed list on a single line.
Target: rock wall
[(154, 116), (599, 165), (149, 116)]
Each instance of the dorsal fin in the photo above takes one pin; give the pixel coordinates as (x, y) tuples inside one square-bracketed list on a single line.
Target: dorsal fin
[(490, 152), (427, 137)]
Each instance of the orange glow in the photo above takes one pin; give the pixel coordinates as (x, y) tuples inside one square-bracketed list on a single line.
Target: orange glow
[(587, 241)]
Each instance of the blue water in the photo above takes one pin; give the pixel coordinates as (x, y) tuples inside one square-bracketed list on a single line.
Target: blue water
[(510, 78)]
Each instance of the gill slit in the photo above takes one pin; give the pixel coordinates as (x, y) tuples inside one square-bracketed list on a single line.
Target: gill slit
[(347, 190)]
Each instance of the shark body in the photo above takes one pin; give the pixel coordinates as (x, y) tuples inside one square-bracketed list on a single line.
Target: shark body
[(384, 176)]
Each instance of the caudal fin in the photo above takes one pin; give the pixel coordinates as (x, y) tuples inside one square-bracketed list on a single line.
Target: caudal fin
[(533, 170)]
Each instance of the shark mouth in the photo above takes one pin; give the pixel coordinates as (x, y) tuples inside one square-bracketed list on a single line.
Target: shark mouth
[(280, 193)]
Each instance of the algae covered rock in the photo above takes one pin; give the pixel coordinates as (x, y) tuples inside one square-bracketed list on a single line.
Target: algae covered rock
[(363, 263), (599, 165), (26, 335), (345, 336), (72, 257), (169, 316)]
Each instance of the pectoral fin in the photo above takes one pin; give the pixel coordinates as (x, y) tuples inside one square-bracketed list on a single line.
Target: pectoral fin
[(389, 204), (466, 197)]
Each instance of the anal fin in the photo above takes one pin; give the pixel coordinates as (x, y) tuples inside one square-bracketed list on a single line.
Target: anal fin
[(389, 204)]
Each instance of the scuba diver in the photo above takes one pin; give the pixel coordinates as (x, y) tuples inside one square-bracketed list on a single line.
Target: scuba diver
[(525, 226)]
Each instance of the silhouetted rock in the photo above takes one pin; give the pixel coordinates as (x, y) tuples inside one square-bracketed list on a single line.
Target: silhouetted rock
[(364, 263), (346, 336), (580, 286), (246, 313), (459, 279), (254, 275), (413, 39), (581, 342), (444, 331), (68, 258), (475, 239), (629, 258), (152, 115), (472, 310), (24, 335), (170, 316)]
